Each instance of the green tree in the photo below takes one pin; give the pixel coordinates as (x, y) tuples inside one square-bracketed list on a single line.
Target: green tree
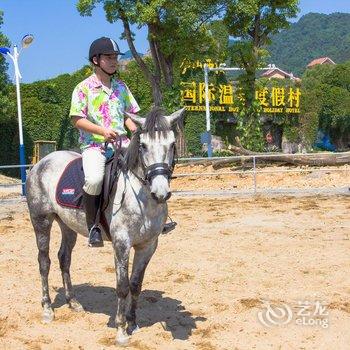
[(175, 29), (5, 104), (45, 109), (8, 128), (314, 35), (138, 84), (252, 23), (326, 100)]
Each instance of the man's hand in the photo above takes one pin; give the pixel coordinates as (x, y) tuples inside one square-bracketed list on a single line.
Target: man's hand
[(109, 134), (130, 125)]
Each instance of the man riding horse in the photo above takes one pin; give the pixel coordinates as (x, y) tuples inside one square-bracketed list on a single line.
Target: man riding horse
[(99, 110)]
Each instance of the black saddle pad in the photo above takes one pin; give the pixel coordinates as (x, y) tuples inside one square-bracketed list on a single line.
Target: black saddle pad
[(70, 185)]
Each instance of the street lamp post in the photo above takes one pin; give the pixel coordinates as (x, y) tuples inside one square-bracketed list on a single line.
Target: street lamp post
[(26, 41), (207, 111)]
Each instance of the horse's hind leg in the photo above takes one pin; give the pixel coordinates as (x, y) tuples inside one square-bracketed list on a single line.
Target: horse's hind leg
[(141, 259), (42, 227), (69, 238)]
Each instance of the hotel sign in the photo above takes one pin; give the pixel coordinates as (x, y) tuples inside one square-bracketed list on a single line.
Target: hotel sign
[(227, 98)]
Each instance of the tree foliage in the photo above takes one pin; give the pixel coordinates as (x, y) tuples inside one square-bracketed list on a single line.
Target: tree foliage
[(5, 104), (175, 29), (45, 111), (45, 114), (138, 84), (252, 23), (8, 128), (314, 35), (156, 78), (326, 91)]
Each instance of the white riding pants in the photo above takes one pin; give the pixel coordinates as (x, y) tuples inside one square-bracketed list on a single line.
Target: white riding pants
[(94, 168), (94, 160)]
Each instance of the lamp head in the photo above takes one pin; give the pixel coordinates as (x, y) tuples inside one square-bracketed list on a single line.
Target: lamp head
[(27, 40), (4, 50)]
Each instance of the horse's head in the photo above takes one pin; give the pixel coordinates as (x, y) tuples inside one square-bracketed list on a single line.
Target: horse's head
[(152, 151)]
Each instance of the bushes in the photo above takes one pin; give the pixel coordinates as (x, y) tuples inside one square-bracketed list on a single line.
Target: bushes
[(45, 114), (326, 102), (194, 125)]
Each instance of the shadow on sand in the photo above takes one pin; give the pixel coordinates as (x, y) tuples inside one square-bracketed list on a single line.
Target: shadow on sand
[(152, 308)]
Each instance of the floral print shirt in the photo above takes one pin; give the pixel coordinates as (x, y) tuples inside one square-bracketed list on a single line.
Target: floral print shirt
[(102, 106)]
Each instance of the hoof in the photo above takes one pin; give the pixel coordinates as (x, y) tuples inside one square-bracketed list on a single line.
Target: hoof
[(48, 315), (75, 305), (132, 329), (135, 330), (122, 340)]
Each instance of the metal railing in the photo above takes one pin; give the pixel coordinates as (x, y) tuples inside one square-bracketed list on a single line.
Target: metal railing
[(14, 167), (254, 171)]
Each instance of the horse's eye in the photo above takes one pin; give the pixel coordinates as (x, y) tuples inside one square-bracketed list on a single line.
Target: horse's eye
[(143, 146)]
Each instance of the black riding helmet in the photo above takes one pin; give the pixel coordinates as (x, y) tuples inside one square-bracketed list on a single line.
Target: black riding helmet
[(103, 46)]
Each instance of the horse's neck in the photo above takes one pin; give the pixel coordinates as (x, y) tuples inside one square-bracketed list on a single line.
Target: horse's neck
[(137, 172), (130, 187), (132, 178)]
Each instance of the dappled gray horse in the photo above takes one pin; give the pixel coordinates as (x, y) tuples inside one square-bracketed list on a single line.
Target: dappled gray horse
[(136, 214)]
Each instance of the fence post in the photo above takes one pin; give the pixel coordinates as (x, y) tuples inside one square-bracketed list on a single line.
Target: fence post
[(254, 173)]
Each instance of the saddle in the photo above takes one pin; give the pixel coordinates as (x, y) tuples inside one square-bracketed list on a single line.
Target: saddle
[(69, 190)]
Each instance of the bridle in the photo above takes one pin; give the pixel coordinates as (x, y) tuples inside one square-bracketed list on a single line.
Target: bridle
[(118, 164), (156, 169)]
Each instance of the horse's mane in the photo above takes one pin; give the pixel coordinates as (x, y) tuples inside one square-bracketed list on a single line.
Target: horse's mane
[(155, 121)]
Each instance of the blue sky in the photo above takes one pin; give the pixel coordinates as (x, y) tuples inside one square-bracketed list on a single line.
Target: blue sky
[(62, 36)]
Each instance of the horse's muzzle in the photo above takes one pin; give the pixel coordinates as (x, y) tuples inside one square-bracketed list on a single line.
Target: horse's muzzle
[(161, 199)]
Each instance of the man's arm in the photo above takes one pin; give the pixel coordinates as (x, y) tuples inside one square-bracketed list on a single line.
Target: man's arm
[(130, 124), (86, 125)]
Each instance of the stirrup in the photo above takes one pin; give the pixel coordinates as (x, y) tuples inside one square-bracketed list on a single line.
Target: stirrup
[(168, 227), (95, 237)]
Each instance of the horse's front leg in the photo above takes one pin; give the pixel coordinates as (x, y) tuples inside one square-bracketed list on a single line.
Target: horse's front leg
[(121, 259), (141, 259)]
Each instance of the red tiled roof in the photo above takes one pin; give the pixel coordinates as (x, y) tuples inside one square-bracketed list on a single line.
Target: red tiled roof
[(278, 70), (273, 70), (320, 60)]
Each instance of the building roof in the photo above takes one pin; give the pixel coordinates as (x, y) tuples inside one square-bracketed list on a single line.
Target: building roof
[(272, 71), (320, 60), (128, 56)]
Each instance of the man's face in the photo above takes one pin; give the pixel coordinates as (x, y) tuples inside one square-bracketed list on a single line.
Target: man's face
[(108, 62)]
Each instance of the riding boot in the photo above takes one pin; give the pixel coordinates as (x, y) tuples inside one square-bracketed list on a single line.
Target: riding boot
[(91, 206)]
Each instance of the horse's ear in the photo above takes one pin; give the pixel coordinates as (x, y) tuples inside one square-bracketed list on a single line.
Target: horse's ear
[(176, 116), (136, 119)]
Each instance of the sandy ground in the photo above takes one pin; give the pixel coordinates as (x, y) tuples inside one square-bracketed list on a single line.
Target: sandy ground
[(205, 286)]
